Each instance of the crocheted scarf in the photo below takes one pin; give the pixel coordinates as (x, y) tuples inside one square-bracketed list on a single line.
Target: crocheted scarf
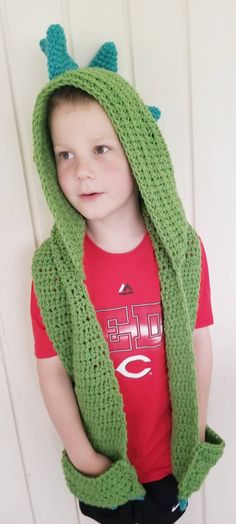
[(69, 315)]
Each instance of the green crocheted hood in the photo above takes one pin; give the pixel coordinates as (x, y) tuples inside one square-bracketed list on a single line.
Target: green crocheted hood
[(67, 312)]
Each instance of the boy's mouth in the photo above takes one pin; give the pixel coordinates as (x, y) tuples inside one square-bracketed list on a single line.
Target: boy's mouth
[(89, 195)]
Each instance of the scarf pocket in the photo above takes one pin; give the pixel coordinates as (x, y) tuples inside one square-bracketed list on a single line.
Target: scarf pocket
[(205, 456), (114, 487)]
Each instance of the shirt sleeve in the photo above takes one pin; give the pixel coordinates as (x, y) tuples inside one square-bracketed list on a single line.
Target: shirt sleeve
[(204, 313), (43, 346)]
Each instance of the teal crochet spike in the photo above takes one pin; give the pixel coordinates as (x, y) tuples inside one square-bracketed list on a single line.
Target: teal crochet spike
[(54, 47), (106, 57), (156, 112), (59, 61)]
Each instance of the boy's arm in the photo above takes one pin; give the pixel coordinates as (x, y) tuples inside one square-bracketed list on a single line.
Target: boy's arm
[(61, 404), (203, 361)]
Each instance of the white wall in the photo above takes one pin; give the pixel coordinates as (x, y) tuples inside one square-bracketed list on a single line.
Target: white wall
[(180, 55)]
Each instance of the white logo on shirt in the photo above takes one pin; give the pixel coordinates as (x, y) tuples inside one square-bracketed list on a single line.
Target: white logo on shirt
[(175, 507), (125, 289), (123, 370), (135, 327)]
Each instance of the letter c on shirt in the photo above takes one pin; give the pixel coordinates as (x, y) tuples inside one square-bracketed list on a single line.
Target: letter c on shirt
[(122, 368)]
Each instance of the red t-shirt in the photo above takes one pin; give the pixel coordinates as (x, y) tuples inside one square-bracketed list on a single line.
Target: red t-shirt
[(126, 297)]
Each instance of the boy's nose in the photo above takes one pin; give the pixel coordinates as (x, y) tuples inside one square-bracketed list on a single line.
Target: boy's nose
[(83, 170)]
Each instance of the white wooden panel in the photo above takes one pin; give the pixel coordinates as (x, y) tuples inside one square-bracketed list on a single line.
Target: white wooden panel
[(161, 71), (40, 447), (25, 24), (100, 22), (15, 502), (213, 44)]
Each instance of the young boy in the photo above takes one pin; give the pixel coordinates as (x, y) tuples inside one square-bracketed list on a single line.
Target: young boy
[(120, 299)]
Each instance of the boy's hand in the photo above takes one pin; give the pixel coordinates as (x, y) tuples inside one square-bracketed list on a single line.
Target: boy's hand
[(94, 465)]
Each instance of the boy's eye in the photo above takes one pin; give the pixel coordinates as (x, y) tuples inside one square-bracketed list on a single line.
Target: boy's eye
[(65, 155), (101, 149)]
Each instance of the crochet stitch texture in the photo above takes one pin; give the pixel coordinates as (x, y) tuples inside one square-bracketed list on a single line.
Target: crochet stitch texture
[(69, 315)]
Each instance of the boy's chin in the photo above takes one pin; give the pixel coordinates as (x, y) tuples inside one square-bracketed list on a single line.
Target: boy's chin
[(90, 215)]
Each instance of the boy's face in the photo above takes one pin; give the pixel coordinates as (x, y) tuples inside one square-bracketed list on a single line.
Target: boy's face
[(93, 171)]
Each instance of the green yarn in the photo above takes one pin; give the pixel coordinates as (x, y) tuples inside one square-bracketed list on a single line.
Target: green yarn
[(70, 318)]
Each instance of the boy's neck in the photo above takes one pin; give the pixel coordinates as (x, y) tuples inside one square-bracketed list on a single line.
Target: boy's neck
[(117, 236)]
